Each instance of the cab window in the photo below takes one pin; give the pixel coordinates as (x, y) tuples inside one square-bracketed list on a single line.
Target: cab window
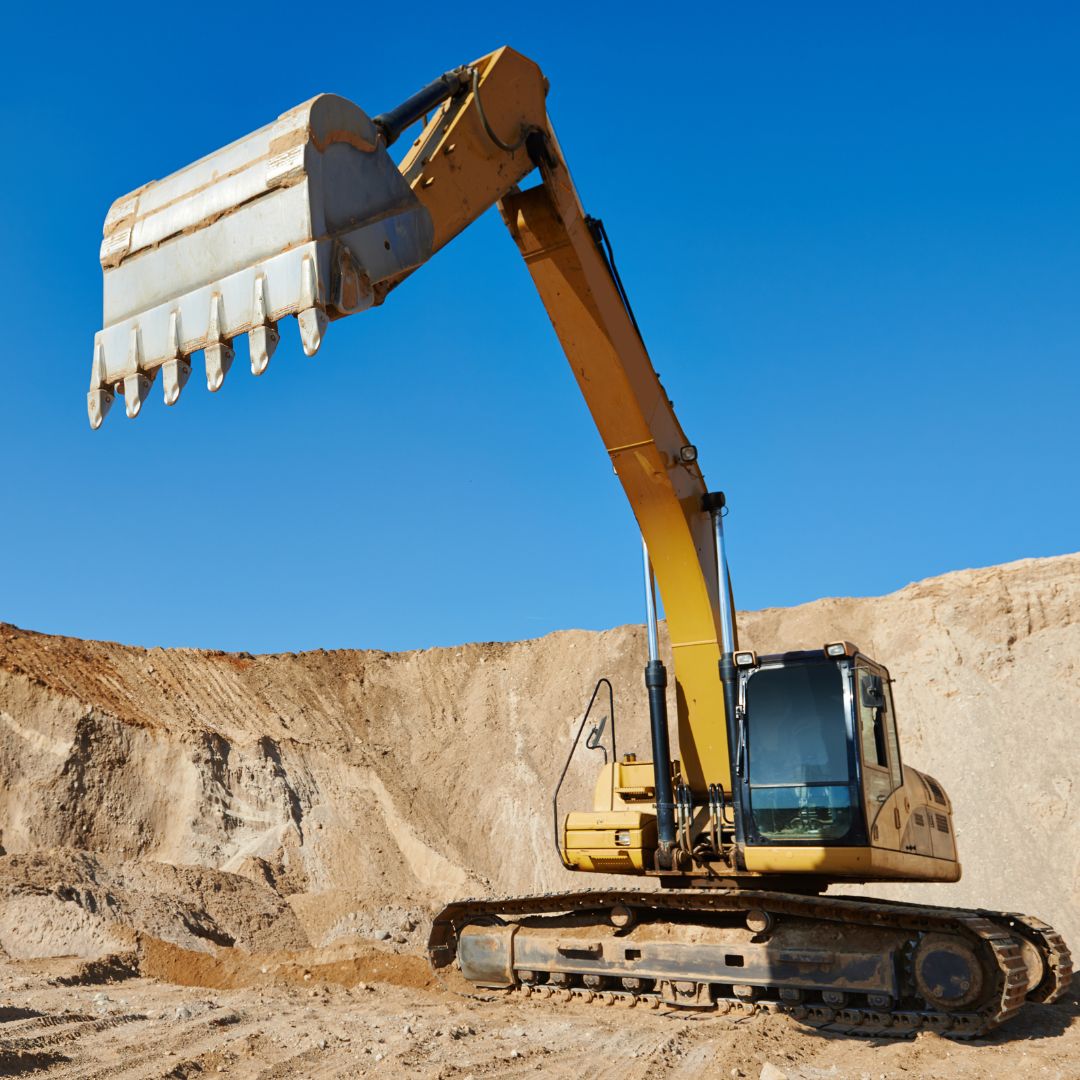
[(877, 731), (800, 772), (895, 769)]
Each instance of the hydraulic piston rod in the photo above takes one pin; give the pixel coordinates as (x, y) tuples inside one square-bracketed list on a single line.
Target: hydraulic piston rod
[(715, 503), (393, 122)]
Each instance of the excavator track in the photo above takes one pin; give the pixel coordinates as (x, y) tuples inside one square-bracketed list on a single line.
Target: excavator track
[(1051, 947), (1019, 958)]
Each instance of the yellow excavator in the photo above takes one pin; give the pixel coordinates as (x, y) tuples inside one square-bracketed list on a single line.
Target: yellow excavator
[(789, 777)]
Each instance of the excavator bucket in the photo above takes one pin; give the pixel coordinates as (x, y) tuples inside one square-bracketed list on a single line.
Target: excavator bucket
[(304, 217)]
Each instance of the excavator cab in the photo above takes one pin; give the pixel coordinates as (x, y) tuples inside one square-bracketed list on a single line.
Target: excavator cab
[(819, 792), (819, 766)]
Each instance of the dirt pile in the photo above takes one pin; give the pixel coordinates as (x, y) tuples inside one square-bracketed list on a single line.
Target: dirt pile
[(386, 782), (71, 903)]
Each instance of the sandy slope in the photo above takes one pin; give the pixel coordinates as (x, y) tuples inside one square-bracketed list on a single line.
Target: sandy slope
[(311, 803)]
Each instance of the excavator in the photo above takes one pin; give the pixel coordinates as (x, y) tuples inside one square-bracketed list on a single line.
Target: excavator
[(789, 777)]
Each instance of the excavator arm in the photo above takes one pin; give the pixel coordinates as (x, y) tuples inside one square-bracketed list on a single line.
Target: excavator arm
[(309, 217)]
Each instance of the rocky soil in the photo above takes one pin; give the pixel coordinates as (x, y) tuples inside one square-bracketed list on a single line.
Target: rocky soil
[(226, 863)]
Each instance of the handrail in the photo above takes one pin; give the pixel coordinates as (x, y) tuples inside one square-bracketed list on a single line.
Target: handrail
[(592, 745)]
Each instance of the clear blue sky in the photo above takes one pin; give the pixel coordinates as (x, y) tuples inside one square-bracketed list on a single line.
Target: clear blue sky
[(851, 233)]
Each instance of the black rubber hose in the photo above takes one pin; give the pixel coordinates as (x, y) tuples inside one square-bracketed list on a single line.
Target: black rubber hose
[(509, 148)]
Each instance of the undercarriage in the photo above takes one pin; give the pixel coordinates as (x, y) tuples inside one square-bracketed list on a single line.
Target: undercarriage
[(847, 964)]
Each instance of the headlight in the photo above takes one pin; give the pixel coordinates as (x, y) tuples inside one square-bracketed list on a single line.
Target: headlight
[(746, 659)]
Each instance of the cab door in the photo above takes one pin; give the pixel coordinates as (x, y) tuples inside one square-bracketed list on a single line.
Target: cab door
[(879, 754)]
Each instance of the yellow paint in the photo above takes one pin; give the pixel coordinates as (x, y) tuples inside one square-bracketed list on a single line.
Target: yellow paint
[(624, 785), (859, 863), (590, 840), (454, 168)]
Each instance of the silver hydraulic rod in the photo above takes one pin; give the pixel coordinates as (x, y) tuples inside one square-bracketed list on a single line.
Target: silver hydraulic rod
[(650, 603), (723, 588), (714, 503)]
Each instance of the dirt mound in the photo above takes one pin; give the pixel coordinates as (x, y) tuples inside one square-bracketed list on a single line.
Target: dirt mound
[(71, 903), (387, 782)]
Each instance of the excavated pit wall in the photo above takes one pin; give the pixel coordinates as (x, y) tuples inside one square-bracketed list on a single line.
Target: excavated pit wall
[(371, 781)]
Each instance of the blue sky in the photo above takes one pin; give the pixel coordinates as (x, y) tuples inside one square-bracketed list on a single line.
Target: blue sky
[(851, 234)]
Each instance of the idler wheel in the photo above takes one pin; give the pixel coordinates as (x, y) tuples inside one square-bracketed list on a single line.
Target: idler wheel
[(948, 972), (1033, 962)]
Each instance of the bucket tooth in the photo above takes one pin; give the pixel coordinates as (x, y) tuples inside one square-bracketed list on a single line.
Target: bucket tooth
[(262, 341), (97, 368), (312, 322), (136, 387), (263, 336), (100, 398), (98, 403), (136, 383), (312, 319), (174, 375), (219, 359), (176, 369), (218, 350)]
